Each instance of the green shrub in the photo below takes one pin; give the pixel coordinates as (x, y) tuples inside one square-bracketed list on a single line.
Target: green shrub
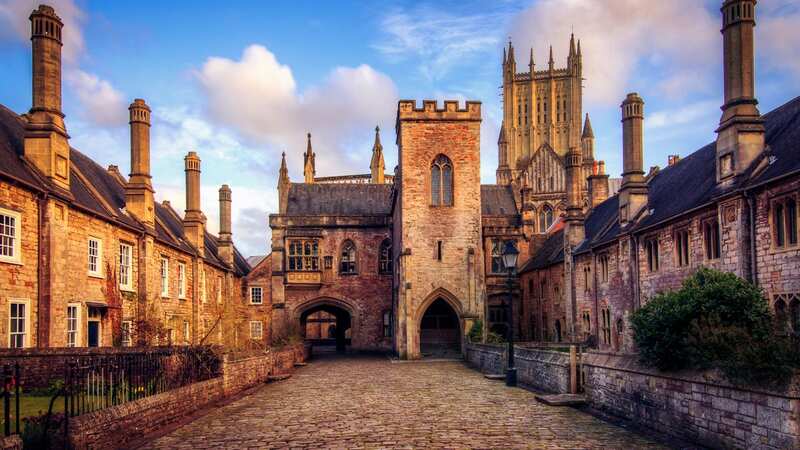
[(715, 321), (475, 333)]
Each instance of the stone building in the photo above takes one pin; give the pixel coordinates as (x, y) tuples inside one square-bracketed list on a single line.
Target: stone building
[(731, 205), (87, 257)]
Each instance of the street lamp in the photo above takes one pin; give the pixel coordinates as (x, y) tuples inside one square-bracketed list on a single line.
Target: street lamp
[(510, 254)]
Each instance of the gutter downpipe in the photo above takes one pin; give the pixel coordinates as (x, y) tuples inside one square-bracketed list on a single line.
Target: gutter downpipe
[(752, 236)]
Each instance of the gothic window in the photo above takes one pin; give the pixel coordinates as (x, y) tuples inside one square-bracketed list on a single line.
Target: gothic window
[(586, 320), (386, 257), (558, 331), (682, 247), (784, 222), (606, 326), (604, 268), (303, 255), (545, 218), (787, 313), (347, 264), (497, 256), (651, 248), (587, 276), (442, 181), (711, 239)]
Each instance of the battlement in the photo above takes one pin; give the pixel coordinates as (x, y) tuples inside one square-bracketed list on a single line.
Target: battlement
[(408, 110)]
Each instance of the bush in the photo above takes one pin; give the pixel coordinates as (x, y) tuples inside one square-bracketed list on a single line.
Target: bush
[(715, 321), (475, 334)]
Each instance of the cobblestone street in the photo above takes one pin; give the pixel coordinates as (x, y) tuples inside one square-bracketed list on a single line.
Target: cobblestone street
[(370, 402)]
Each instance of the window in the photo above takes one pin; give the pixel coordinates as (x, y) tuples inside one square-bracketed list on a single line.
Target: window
[(606, 328), (126, 333), (604, 268), (545, 218), (219, 289), (72, 325), (442, 181), (682, 248), (10, 224), (186, 336), (438, 255), (125, 267), (387, 324), (587, 277), (164, 276), (347, 265), (497, 256), (256, 295), (328, 262), (784, 222), (787, 313), (586, 321), (711, 239), (385, 258), (95, 257), (18, 323), (181, 280), (303, 255), (651, 247), (256, 329)]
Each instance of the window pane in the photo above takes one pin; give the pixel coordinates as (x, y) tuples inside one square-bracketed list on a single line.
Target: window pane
[(436, 184), (447, 185), (791, 221), (779, 230)]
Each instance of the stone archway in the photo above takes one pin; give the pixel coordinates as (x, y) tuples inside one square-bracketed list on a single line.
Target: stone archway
[(327, 322), (439, 326)]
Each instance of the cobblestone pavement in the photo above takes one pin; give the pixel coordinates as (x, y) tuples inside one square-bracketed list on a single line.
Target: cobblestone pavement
[(373, 403)]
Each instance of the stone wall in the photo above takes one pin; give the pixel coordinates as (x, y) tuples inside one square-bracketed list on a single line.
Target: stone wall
[(538, 369), (693, 407), (121, 425)]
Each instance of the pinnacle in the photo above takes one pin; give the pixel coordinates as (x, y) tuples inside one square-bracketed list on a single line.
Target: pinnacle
[(587, 128)]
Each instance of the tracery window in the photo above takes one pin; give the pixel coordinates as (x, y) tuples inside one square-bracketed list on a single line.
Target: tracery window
[(442, 181), (651, 247), (385, 262), (682, 247), (303, 255), (606, 328), (711, 238), (347, 264), (545, 218), (784, 222), (604, 268)]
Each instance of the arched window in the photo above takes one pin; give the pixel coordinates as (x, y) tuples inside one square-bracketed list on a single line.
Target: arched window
[(347, 264), (442, 181), (558, 331), (385, 257), (545, 218)]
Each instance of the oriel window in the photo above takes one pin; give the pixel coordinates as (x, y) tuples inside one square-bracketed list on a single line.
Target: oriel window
[(303, 255)]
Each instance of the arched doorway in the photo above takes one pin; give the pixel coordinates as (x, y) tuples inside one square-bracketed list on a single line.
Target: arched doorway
[(327, 326), (440, 332)]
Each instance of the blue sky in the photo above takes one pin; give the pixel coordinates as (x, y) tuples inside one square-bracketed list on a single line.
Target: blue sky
[(240, 82)]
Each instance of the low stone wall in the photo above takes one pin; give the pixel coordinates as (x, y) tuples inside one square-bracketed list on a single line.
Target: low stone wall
[(121, 425), (10, 443), (540, 370), (693, 407), (690, 406)]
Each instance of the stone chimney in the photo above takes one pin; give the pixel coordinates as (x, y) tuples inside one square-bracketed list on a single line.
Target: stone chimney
[(672, 160), (46, 138), (225, 245), (194, 222), (574, 219), (283, 186), (633, 192), (598, 184), (740, 136), (309, 166), (377, 166), (139, 189)]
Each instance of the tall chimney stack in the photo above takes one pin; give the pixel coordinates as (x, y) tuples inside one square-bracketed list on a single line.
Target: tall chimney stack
[(139, 189), (740, 136), (574, 220), (194, 222), (598, 184), (225, 235), (46, 138), (633, 193)]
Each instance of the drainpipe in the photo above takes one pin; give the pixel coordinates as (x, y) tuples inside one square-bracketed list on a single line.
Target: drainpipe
[(596, 296), (637, 299), (42, 289), (752, 237)]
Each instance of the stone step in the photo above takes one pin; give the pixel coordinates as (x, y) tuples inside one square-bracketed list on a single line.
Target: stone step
[(562, 399), (273, 378), (494, 376)]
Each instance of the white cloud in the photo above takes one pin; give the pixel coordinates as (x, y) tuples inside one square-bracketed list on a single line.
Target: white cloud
[(258, 97), (100, 102), (437, 40), (777, 35), (627, 44)]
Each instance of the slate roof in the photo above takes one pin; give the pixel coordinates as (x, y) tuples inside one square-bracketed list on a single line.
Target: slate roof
[(255, 260), (497, 200), (551, 252), (105, 194), (319, 199), (691, 183)]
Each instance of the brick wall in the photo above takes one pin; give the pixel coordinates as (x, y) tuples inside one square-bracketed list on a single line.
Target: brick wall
[(538, 369)]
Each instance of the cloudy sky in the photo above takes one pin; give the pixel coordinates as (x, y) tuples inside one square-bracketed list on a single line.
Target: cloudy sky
[(240, 82)]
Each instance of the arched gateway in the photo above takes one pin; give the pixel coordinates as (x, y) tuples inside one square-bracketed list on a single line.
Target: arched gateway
[(327, 322), (440, 327)]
